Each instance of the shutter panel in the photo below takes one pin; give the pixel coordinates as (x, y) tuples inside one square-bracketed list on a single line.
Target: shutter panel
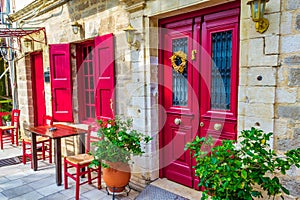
[(61, 84), (104, 76)]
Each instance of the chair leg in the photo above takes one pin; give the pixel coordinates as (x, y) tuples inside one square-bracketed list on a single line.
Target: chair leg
[(50, 150), (17, 136), (99, 177), (89, 175), (24, 152), (77, 183), (1, 139), (43, 151), (65, 173), (12, 136)]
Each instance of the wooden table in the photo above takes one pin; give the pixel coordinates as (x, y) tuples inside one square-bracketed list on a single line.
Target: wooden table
[(60, 132)]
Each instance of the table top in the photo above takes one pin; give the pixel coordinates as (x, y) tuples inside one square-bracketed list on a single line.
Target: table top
[(60, 132)]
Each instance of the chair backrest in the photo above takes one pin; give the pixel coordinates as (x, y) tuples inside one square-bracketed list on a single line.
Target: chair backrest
[(15, 117), (92, 136), (47, 120)]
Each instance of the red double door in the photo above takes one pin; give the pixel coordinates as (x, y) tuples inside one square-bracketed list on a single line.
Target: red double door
[(201, 99)]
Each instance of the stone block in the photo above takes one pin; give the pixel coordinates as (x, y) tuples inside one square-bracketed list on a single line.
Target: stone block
[(262, 76), (280, 127), (289, 44), (262, 110), (291, 112), (294, 77), (244, 46), (266, 124), (293, 60), (286, 95), (258, 58), (273, 6), (292, 4), (272, 44), (242, 91), (298, 22), (264, 95), (169, 5)]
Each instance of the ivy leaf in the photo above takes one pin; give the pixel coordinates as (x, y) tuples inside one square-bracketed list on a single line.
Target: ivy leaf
[(244, 174)]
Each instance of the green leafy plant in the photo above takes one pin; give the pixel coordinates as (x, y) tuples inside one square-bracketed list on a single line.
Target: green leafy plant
[(119, 141), (241, 170)]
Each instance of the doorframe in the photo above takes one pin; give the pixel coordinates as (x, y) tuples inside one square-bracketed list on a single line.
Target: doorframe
[(161, 24)]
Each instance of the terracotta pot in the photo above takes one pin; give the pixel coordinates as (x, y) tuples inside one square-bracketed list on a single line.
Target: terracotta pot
[(117, 176)]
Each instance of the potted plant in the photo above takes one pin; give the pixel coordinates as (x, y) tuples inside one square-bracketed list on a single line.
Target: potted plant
[(7, 119), (118, 142), (241, 170)]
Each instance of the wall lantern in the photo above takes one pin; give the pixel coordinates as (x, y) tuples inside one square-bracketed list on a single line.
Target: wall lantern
[(27, 43), (130, 32), (257, 13), (76, 27), (6, 52)]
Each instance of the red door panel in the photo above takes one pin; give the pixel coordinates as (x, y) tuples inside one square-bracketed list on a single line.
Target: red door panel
[(204, 97), (219, 74), (61, 82), (38, 88), (104, 76), (180, 95)]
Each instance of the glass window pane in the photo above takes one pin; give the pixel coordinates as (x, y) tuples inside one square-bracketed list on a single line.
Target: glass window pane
[(87, 97), (91, 82), (91, 68), (180, 86), (86, 82), (92, 98), (221, 70), (90, 52), (88, 113), (85, 67), (93, 111)]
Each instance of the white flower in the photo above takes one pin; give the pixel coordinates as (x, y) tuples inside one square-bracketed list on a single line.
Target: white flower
[(108, 125), (96, 148)]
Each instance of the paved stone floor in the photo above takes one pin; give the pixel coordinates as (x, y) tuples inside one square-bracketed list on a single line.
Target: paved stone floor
[(20, 182)]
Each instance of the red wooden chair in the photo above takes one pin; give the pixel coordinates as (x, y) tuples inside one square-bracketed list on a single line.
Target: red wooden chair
[(11, 133), (44, 144), (80, 163)]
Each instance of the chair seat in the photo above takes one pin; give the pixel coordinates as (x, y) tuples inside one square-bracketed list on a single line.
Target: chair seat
[(38, 139), (80, 159), (6, 127)]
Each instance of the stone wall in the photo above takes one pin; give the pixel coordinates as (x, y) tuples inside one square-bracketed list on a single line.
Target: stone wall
[(269, 78), (287, 107)]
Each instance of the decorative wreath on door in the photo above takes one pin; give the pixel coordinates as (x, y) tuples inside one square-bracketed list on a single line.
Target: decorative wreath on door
[(178, 60)]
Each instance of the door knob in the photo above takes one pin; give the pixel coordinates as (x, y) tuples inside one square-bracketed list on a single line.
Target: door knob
[(217, 127), (177, 121), (201, 124), (194, 54)]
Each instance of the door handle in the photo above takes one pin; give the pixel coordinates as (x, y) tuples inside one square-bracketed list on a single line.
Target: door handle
[(194, 54), (201, 124), (217, 127), (177, 121)]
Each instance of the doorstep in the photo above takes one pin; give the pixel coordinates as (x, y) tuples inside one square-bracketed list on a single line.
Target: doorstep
[(178, 189)]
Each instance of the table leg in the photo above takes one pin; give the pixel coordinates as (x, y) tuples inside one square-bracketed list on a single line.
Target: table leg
[(58, 163), (82, 143), (34, 152)]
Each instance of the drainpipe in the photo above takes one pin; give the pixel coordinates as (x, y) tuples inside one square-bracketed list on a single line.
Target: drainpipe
[(11, 64)]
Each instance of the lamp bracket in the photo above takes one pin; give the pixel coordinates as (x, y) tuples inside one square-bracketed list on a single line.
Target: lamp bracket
[(262, 25)]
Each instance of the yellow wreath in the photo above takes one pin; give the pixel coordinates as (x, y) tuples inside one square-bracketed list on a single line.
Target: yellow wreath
[(182, 56)]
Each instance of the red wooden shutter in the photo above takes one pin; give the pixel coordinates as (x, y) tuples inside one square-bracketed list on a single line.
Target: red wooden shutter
[(60, 68), (104, 76)]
